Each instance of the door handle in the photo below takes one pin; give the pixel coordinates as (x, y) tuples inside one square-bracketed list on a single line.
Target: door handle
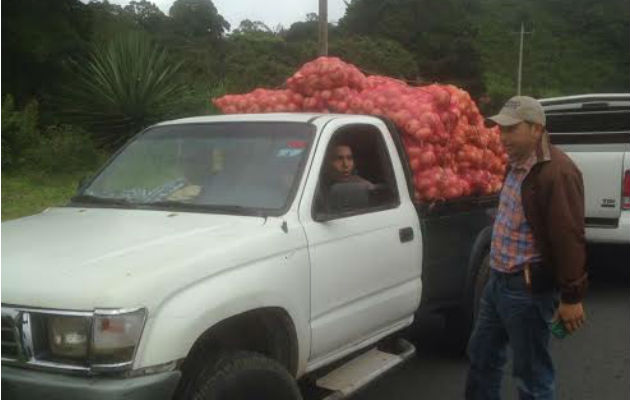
[(405, 234)]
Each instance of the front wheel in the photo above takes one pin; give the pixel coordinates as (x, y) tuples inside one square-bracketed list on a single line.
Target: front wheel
[(243, 376)]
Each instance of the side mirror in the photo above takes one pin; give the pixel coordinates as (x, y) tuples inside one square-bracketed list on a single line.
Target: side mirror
[(348, 196), (322, 217), (341, 199)]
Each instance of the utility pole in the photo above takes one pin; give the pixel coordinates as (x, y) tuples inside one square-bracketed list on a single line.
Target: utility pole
[(520, 59), (323, 27)]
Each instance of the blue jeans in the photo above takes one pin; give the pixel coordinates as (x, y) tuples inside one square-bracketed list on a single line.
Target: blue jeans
[(510, 314)]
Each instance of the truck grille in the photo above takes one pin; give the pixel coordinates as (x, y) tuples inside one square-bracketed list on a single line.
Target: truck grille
[(10, 339)]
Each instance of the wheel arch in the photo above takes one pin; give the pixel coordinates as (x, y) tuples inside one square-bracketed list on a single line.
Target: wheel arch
[(268, 330)]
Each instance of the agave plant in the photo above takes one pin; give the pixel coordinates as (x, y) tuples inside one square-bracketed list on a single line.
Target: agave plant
[(123, 86)]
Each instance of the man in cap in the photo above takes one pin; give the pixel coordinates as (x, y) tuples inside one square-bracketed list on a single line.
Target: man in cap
[(537, 252)]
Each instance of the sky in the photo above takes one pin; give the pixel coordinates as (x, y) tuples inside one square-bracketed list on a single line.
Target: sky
[(271, 12)]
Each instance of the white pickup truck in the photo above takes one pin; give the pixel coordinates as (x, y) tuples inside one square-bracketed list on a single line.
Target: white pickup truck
[(211, 258), (594, 130)]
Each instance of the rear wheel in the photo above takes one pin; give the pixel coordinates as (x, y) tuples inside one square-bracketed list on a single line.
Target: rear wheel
[(483, 274), (460, 322), (242, 376)]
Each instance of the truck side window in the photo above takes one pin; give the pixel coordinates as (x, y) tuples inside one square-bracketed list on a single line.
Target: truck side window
[(357, 176)]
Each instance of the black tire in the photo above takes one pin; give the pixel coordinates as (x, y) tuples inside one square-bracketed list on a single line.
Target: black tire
[(483, 274), (459, 322), (242, 375)]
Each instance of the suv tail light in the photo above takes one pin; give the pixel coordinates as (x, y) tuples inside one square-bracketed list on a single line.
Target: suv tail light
[(625, 191)]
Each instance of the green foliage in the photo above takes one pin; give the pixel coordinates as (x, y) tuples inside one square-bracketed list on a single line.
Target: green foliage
[(30, 192), (19, 132), (440, 35), (147, 15), (37, 36), (249, 26), (197, 100), (25, 147), (376, 56), (572, 48), (305, 31), (108, 21), (195, 18), (262, 59), (123, 87), (63, 149)]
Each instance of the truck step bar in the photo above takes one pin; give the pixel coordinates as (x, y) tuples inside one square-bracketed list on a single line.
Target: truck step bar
[(363, 369)]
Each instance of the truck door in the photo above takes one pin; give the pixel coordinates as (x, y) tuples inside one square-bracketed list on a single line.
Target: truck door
[(364, 238)]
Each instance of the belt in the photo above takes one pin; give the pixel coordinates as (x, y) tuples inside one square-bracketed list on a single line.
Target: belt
[(521, 279), (513, 281)]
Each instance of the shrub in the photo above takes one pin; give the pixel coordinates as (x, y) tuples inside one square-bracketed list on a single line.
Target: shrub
[(64, 148), (19, 132), (59, 148), (124, 86)]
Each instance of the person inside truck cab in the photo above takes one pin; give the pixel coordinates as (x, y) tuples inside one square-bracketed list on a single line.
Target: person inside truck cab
[(342, 188), (341, 167)]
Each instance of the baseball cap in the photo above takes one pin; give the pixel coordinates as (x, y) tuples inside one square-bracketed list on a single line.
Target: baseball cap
[(519, 109)]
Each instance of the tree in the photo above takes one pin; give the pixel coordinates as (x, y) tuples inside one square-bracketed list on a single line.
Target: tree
[(108, 21), (307, 30), (440, 34), (19, 132), (574, 48), (36, 37), (122, 87), (376, 56), (147, 15), (249, 26), (257, 59), (196, 18)]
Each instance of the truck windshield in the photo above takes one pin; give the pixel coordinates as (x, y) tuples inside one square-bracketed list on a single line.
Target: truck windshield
[(238, 167)]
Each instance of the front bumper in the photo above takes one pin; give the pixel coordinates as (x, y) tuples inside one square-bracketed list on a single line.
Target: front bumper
[(18, 383)]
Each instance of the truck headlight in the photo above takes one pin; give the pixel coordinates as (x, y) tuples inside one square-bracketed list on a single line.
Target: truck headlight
[(68, 337), (101, 340), (115, 336)]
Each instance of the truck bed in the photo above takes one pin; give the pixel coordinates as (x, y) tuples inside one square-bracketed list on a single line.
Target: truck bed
[(454, 233)]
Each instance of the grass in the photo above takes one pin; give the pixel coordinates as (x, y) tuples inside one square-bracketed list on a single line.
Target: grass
[(29, 193)]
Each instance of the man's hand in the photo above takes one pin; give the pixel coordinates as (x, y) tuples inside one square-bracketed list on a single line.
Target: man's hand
[(571, 315)]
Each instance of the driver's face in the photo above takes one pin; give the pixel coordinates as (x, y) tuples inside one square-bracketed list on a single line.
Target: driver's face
[(342, 160)]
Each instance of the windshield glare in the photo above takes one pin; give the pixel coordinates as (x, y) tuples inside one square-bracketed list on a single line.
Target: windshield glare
[(248, 165)]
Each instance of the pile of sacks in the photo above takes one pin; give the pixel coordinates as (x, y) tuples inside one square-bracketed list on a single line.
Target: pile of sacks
[(451, 152)]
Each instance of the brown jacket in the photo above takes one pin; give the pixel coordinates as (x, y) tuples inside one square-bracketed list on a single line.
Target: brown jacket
[(553, 201)]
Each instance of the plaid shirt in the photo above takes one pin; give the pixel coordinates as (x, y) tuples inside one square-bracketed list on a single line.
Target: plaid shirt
[(513, 243)]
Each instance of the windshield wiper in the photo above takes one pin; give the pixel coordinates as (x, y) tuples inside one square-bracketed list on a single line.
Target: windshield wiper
[(218, 208), (88, 198), (172, 204)]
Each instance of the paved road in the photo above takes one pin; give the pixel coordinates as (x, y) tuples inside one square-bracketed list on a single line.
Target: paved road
[(592, 364)]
